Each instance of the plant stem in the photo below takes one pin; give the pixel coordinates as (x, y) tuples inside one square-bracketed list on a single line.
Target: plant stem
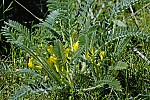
[(41, 20)]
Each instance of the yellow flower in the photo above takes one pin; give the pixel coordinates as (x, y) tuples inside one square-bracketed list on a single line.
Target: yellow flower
[(88, 55), (75, 46), (67, 51), (50, 48), (102, 54), (52, 60), (30, 63)]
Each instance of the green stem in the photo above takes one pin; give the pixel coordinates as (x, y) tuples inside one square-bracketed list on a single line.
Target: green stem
[(71, 44), (41, 20), (3, 9)]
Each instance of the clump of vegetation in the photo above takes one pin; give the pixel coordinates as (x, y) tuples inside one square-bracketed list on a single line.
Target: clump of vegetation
[(84, 49)]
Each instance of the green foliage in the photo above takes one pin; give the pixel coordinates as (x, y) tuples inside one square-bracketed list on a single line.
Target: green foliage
[(111, 81), (53, 4), (124, 4), (60, 52), (23, 90), (102, 60), (51, 19), (121, 65)]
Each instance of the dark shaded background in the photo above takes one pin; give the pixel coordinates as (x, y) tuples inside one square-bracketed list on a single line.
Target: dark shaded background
[(19, 14)]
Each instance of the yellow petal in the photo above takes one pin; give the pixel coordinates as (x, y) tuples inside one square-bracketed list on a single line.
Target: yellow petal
[(52, 60), (88, 55), (67, 52), (30, 63), (75, 46), (102, 54), (50, 49)]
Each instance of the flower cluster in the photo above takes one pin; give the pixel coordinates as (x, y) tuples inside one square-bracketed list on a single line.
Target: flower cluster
[(53, 61)]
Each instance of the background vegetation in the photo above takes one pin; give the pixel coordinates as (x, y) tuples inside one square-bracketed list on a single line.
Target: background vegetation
[(76, 49)]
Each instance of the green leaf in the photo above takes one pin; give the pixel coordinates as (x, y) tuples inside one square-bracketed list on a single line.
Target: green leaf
[(21, 92), (77, 53), (110, 80), (120, 23), (59, 51), (122, 45), (121, 65), (50, 20)]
